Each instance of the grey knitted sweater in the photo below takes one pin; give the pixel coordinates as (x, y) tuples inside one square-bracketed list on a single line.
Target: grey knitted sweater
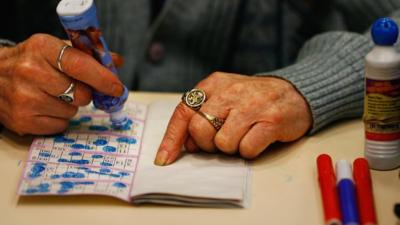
[(192, 38)]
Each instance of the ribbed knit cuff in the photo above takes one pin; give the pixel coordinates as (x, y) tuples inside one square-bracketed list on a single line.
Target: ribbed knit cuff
[(329, 73)]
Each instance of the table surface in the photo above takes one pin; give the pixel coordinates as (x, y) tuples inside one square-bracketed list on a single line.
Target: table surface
[(284, 187)]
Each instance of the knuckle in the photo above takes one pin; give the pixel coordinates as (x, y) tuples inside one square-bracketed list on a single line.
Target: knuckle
[(25, 68), (216, 75), (223, 143), (276, 117), (37, 41), (272, 95), (236, 88)]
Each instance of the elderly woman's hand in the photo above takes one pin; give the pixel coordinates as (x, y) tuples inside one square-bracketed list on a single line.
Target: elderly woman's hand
[(257, 112), (30, 81)]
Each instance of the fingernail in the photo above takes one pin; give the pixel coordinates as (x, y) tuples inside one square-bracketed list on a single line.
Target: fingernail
[(161, 158), (117, 89)]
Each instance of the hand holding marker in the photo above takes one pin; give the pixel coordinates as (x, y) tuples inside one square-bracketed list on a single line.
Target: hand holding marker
[(80, 22)]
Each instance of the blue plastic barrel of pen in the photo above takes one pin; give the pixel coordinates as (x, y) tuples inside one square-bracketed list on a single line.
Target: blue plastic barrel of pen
[(79, 19), (347, 193)]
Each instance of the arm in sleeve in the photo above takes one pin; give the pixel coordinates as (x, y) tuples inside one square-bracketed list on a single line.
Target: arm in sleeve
[(329, 73)]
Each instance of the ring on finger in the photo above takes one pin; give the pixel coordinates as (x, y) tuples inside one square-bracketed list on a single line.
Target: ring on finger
[(216, 122), (194, 98), (68, 95), (60, 55)]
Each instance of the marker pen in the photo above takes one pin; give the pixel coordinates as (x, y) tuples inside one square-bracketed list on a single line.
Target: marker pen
[(80, 22), (347, 195), (327, 184), (365, 199)]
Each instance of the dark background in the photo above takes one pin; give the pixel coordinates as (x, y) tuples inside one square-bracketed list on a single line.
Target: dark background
[(20, 19)]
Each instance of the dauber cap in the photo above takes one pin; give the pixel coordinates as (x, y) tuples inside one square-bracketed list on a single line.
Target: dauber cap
[(384, 32)]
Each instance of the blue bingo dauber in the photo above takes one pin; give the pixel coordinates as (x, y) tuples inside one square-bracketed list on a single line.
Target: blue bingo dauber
[(81, 24)]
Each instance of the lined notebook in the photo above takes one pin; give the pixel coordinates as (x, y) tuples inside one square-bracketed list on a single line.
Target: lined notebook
[(93, 158)]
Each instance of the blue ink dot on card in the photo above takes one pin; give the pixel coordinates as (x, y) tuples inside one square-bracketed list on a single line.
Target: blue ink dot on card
[(126, 140), (105, 170), (122, 173), (74, 123), (85, 119), (84, 183), (31, 190), (109, 149), (59, 138), (36, 170), (80, 161), (126, 126), (75, 154), (65, 186), (100, 142), (62, 139), (69, 140), (80, 146), (45, 154), (43, 188), (55, 176), (98, 128), (73, 175), (119, 185), (106, 164), (62, 160), (83, 168), (97, 156)]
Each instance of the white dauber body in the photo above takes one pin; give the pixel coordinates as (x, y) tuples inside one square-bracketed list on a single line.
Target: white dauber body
[(382, 98)]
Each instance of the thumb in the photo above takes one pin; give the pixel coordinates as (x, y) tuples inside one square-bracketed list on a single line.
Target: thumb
[(175, 136)]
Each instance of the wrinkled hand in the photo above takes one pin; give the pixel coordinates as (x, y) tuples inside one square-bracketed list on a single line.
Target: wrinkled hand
[(30, 82), (257, 111)]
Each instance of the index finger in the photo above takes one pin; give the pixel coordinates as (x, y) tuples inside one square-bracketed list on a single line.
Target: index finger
[(82, 67), (175, 135)]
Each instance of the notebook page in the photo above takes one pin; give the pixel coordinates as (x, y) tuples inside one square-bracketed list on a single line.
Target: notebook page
[(212, 176), (91, 157)]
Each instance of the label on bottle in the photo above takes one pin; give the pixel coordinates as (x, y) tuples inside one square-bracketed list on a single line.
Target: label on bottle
[(382, 109)]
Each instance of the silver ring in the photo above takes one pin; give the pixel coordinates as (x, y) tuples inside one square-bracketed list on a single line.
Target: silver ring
[(59, 58), (68, 95), (216, 122), (194, 98)]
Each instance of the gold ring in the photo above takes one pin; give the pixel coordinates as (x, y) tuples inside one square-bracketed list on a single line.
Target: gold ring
[(215, 121), (194, 98), (59, 58)]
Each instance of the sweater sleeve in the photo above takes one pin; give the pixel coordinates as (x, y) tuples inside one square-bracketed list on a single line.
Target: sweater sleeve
[(329, 74)]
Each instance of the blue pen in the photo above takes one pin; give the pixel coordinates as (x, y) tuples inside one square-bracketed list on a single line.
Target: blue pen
[(347, 194), (80, 22)]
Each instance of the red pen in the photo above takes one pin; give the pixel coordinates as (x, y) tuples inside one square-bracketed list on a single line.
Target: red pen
[(327, 184), (365, 199)]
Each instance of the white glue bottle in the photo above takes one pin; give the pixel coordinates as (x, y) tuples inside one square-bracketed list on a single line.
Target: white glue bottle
[(382, 98)]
